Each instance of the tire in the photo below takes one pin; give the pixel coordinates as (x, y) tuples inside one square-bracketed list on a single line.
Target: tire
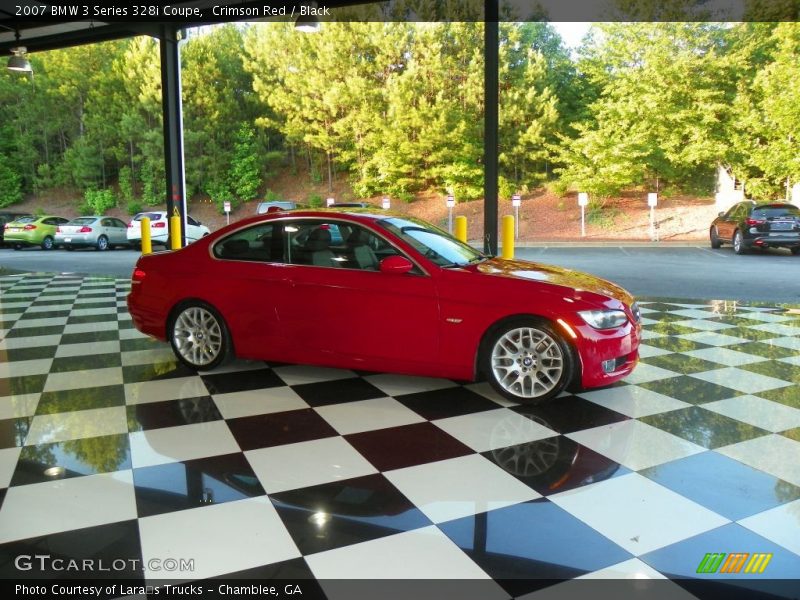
[(530, 348), (69, 248), (102, 243), (47, 243), (17, 246), (738, 243), (199, 336), (715, 243), (795, 250)]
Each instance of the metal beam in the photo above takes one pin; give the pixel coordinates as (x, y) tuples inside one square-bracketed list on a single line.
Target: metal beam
[(490, 124), (173, 124)]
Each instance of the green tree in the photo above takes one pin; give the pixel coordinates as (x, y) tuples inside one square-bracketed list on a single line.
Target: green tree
[(10, 184), (245, 173), (664, 109)]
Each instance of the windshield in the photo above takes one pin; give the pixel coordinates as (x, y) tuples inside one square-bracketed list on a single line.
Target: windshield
[(433, 243)]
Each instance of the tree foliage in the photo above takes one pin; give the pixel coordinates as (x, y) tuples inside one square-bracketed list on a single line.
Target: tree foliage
[(397, 107)]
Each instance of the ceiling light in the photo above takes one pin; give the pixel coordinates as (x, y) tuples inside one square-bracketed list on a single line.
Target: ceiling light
[(18, 61), (307, 24)]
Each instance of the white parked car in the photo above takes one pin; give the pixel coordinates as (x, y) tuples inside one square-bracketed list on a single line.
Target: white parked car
[(96, 231), (159, 228)]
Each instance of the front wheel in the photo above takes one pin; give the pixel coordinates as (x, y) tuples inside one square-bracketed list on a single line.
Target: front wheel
[(715, 243), (527, 361), (199, 336), (738, 243)]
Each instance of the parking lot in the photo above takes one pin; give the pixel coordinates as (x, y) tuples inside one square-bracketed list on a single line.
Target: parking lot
[(689, 272)]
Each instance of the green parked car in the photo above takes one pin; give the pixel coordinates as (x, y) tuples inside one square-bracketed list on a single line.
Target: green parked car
[(33, 231)]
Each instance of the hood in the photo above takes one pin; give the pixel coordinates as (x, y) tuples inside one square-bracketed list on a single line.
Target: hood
[(578, 281)]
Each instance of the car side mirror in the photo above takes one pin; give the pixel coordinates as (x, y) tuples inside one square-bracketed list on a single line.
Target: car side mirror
[(396, 265), (722, 214)]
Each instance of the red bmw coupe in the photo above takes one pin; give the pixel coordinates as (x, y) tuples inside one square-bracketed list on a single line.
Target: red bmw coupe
[(359, 289)]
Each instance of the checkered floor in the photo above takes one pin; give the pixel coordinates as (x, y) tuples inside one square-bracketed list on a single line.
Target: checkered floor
[(111, 450)]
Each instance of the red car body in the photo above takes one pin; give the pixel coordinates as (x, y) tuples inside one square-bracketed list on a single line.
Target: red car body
[(430, 323)]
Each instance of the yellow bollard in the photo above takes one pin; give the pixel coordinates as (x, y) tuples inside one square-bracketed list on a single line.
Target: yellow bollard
[(147, 243), (461, 229), (175, 233), (508, 237)]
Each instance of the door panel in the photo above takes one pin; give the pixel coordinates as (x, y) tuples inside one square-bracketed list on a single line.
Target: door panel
[(371, 317)]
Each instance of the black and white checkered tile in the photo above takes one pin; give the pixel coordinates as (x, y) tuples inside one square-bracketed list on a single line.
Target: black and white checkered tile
[(110, 449)]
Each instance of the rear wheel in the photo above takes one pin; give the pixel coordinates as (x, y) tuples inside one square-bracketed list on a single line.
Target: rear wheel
[(795, 250), (715, 243), (527, 360), (738, 243), (47, 243), (102, 243), (69, 248), (199, 336)]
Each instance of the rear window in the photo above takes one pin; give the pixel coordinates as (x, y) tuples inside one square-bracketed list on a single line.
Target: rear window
[(82, 221), (28, 219), (776, 210), (152, 216)]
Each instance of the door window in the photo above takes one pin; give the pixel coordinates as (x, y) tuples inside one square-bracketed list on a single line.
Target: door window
[(263, 243), (336, 244)]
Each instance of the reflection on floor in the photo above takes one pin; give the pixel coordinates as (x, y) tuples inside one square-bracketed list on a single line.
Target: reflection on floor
[(110, 450)]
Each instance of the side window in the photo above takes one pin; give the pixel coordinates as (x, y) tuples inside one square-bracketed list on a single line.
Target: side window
[(740, 212), (365, 250), (191, 221), (107, 222), (336, 244), (118, 223), (262, 243), (315, 243), (50, 221)]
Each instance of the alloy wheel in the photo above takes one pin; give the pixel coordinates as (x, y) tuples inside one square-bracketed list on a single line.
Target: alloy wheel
[(197, 336), (527, 362)]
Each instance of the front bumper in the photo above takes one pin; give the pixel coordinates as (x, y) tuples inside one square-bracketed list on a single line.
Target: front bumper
[(595, 347)]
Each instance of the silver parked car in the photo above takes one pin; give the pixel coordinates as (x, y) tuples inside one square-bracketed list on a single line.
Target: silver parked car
[(97, 231)]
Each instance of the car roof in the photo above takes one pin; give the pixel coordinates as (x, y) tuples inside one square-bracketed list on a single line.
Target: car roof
[(361, 215)]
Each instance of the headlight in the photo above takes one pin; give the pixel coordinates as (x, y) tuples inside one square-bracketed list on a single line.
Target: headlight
[(604, 319), (637, 313)]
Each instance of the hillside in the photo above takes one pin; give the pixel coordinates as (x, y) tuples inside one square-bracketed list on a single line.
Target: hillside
[(543, 215)]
